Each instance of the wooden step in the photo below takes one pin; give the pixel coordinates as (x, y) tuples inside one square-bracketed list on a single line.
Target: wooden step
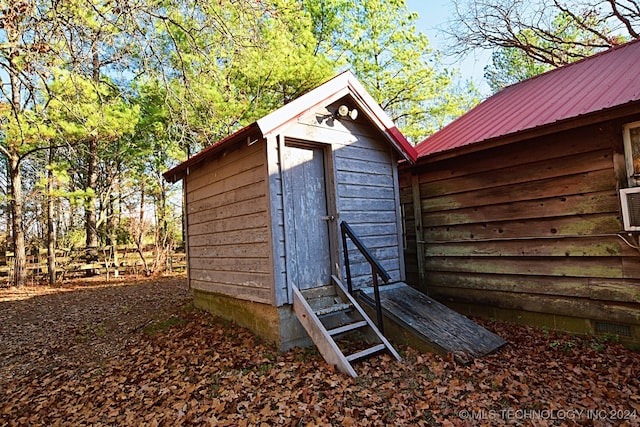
[(324, 338), (347, 328), (319, 335), (335, 308), (366, 352)]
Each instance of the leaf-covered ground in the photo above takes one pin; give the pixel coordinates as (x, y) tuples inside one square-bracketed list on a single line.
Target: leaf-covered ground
[(137, 353)]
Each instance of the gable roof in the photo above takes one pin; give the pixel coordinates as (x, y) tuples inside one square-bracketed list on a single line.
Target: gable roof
[(595, 84), (332, 90)]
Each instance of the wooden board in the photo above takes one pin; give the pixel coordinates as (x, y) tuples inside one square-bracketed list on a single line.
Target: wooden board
[(580, 308), (435, 323), (570, 226), (227, 166), (534, 247), (596, 267), (545, 170), (459, 285), (366, 181), (588, 182), (579, 204)]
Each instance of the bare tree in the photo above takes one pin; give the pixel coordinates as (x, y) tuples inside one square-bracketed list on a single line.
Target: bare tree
[(553, 32)]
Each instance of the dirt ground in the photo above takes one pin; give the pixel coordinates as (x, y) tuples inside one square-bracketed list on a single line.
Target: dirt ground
[(80, 322), (136, 352)]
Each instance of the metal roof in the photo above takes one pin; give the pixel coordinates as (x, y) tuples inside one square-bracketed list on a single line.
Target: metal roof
[(606, 80), (344, 84)]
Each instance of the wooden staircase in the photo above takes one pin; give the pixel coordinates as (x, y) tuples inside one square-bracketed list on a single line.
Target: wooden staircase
[(327, 317)]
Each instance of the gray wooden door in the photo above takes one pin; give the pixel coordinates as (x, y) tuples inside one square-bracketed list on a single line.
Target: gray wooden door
[(307, 225)]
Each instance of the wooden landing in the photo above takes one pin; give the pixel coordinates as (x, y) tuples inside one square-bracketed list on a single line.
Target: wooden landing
[(442, 329)]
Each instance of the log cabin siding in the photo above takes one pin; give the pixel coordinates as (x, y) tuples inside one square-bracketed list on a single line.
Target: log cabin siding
[(529, 226), (228, 229)]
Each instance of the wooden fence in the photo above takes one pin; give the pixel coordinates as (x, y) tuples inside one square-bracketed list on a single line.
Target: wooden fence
[(80, 263)]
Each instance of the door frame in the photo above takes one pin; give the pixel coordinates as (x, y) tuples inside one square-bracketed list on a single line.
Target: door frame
[(331, 200)]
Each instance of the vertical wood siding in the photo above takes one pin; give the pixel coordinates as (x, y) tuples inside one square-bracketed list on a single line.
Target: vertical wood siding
[(364, 175), (367, 200), (229, 229), (529, 226)]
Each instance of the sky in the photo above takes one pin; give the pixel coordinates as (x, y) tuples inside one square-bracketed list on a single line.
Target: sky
[(434, 14)]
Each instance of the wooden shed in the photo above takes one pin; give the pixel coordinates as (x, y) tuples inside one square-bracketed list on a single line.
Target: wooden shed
[(263, 207), (515, 210)]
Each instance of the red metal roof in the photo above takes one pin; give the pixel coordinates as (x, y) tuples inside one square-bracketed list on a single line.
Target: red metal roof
[(605, 80)]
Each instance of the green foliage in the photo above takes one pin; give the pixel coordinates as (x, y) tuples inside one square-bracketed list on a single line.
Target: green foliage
[(80, 109), (225, 78), (73, 238), (378, 40), (163, 325), (23, 132), (564, 345), (284, 66)]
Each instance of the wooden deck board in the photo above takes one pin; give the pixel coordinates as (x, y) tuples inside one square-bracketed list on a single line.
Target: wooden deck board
[(436, 323)]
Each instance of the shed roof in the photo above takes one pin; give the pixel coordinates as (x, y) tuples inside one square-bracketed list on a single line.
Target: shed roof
[(341, 85), (595, 84)]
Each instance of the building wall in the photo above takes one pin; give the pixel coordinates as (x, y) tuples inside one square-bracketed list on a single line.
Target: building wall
[(527, 231), (228, 227)]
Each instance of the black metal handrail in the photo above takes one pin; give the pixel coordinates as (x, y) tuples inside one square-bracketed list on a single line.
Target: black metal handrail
[(376, 267)]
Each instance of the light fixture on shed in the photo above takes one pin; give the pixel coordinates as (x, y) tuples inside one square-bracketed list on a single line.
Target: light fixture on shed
[(343, 111)]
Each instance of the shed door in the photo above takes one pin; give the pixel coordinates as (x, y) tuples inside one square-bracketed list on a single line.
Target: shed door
[(307, 224)]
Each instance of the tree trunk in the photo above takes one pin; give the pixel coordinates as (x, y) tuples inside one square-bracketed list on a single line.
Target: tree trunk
[(13, 157), (19, 251), (6, 208), (51, 235), (162, 230), (112, 231), (91, 221), (139, 233)]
